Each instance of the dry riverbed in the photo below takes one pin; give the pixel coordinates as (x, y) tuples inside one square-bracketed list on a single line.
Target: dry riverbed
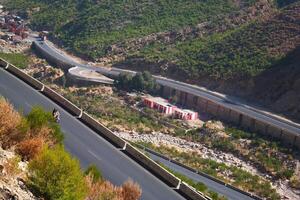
[(282, 187)]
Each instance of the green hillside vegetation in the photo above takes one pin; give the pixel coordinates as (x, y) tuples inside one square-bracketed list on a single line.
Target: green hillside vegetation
[(245, 51), (89, 27), (17, 59)]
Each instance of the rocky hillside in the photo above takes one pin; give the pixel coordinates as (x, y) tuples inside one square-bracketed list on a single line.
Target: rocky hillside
[(12, 175)]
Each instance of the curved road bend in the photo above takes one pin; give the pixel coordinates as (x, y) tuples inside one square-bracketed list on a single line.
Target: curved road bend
[(228, 102), (212, 185), (84, 144)]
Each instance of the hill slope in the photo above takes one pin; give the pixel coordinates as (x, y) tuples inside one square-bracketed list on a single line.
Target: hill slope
[(225, 45)]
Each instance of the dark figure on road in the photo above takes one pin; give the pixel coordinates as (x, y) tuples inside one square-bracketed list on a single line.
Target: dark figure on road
[(56, 115)]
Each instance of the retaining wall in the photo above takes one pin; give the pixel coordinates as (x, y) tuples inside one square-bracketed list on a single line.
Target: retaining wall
[(297, 142), (248, 123), (212, 108), (260, 127), (274, 132), (3, 63), (202, 104), (224, 113), (233, 116), (289, 138)]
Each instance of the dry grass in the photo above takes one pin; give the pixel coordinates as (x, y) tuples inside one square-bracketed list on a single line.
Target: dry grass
[(131, 190), (9, 118), (30, 148), (102, 190), (11, 166)]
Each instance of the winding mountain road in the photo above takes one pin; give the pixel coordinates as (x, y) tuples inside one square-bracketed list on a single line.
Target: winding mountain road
[(221, 99)]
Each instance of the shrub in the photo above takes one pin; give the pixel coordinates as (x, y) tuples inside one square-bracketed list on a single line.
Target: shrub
[(131, 190), (9, 118), (295, 182), (30, 148), (102, 190), (140, 82), (223, 144), (56, 175), (38, 119)]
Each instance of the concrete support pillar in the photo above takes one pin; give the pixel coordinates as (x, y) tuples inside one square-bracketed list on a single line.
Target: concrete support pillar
[(248, 123), (297, 142), (235, 117), (274, 132), (260, 127), (212, 108), (224, 113), (191, 100), (167, 92), (202, 105), (182, 97), (289, 138)]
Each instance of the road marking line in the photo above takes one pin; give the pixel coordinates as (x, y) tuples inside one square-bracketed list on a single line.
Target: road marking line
[(95, 155), (27, 104), (6, 67)]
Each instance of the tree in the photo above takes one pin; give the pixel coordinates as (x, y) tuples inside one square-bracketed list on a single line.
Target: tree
[(123, 81), (56, 175), (138, 82)]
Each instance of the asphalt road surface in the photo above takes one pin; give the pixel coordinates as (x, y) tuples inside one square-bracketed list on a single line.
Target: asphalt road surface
[(85, 144)]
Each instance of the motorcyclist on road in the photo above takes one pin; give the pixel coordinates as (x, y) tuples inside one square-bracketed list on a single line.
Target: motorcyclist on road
[(56, 115)]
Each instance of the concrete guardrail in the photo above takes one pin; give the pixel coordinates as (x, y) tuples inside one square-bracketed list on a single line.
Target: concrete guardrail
[(190, 193), (60, 100), (102, 130), (20, 74)]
